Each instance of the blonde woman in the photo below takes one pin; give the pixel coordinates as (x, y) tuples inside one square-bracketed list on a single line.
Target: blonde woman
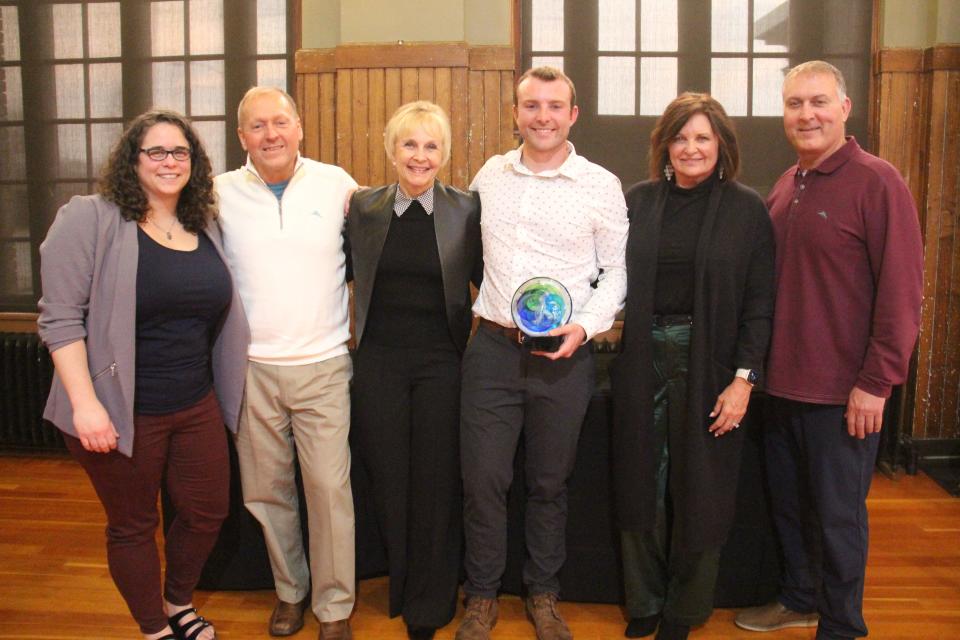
[(415, 247)]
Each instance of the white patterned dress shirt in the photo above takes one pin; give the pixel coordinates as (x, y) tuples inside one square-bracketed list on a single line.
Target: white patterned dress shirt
[(566, 223)]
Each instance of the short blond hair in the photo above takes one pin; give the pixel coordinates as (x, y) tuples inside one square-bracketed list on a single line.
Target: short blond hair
[(421, 114), (812, 67), (256, 92)]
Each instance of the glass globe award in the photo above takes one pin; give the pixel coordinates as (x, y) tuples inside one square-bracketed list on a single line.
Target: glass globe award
[(540, 305)]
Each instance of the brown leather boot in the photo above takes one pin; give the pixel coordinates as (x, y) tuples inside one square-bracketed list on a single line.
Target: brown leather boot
[(479, 619), (337, 630), (287, 617), (542, 612)]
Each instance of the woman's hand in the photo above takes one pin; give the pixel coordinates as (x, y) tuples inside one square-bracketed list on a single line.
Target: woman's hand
[(94, 427), (730, 407), (91, 421)]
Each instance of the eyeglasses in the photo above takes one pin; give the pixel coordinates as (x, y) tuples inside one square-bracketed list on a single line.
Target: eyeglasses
[(159, 154)]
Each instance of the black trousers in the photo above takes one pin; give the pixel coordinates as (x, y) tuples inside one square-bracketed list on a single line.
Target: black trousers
[(405, 422), (507, 392), (819, 477)]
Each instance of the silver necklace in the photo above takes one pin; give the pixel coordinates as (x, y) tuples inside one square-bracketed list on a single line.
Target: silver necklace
[(165, 231)]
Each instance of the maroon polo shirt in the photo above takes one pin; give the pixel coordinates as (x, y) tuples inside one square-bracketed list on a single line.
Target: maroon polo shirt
[(849, 268)]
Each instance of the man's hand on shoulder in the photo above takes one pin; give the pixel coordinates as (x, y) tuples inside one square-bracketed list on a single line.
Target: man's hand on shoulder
[(864, 413), (573, 336), (346, 202)]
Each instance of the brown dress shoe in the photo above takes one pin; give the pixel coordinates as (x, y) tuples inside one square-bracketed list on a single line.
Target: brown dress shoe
[(542, 612), (287, 618), (338, 630), (479, 619)]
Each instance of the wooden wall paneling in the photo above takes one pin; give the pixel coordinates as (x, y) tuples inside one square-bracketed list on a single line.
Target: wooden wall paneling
[(392, 92), (475, 136), (491, 113), (900, 136), (298, 94), (925, 345), (933, 170), (344, 120), (310, 106), (441, 95), (409, 85), (393, 98), (900, 127), (507, 139), (409, 54), (328, 124), (942, 241), (425, 88), (459, 125), (951, 209), (348, 93), (360, 130), (378, 119)]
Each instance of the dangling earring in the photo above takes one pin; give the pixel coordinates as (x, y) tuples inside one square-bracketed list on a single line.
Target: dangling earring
[(668, 171), (721, 173)]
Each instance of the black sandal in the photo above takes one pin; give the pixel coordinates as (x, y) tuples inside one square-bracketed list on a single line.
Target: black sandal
[(189, 630)]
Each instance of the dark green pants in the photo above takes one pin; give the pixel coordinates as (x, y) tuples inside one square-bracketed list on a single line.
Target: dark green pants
[(658, 576)]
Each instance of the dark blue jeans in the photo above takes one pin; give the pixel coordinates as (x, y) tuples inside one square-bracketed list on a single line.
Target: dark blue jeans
[(819, 477)]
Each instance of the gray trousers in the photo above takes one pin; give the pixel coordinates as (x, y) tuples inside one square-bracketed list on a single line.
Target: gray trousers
[(506, 393)]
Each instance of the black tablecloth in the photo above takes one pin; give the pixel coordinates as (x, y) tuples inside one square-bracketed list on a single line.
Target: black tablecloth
[(748, 565)]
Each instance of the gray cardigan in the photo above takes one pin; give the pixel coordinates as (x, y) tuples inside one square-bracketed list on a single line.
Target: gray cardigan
[(88, 270)]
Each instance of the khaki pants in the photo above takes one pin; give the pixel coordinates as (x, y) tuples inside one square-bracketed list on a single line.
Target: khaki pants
[(302, 410)]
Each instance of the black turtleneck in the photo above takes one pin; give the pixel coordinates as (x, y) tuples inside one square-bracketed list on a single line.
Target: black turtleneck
[(407, 306), (679, 233)]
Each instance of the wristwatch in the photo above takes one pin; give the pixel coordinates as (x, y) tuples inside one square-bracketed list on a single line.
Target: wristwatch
[(750, 375)]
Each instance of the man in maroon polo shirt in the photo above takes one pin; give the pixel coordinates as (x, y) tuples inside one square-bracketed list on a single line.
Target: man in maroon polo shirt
[(849, 275)]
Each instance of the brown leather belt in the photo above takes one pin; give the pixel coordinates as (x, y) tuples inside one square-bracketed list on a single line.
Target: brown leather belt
[(511, 333)]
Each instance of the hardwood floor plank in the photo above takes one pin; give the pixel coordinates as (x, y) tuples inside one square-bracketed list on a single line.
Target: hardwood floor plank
[(55, 585)]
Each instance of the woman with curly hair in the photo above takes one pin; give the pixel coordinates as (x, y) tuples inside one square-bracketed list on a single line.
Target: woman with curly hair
[(149, 344)]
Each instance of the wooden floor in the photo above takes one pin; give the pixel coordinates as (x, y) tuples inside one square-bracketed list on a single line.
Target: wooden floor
[(54, 582)]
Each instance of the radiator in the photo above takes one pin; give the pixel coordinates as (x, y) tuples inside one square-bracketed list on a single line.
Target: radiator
[(25, 373)]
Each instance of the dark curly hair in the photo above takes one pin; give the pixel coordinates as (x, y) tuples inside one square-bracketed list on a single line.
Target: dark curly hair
[(120, 184)]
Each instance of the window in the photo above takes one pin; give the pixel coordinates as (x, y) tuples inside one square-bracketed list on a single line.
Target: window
[(92, 66), (630, 58)]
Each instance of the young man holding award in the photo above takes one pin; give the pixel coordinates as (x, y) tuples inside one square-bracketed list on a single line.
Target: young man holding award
[(547, 213)]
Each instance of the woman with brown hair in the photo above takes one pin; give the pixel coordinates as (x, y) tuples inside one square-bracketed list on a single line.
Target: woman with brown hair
[(696, 328), (149, 344)]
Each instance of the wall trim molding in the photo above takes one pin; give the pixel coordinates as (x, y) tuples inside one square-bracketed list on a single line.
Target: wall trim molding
[(16, 322), (942, 57), (899, 61), (405, 55)]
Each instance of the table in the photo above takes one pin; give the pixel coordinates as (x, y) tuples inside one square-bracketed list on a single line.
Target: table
[(749, 564)]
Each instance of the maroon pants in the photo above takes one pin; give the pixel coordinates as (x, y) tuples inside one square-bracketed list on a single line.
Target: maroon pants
[(188, 451)]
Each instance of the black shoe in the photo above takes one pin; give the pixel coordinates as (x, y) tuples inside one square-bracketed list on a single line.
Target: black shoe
[(640, 627), (416, 632), (673, 631), (191, 629)]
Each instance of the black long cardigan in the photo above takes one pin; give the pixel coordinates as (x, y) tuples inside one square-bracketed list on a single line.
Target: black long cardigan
[(732, 310)]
